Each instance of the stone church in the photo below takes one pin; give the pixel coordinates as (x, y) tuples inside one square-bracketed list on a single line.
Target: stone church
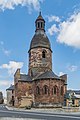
[(41, 87)]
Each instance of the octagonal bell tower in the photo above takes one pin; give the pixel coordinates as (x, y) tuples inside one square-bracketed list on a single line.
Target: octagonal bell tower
[(40, 53)]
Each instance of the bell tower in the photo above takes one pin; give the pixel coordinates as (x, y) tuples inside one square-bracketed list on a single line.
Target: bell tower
[(40, 23), (40, 53)]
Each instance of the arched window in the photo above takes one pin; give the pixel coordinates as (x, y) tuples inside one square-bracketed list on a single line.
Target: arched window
[(55, 90), (37, 90), (43, 54), (62, 91), (45, 89), (38, 25), (41, 24)]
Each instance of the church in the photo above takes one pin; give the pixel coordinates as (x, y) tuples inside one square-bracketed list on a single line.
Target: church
[(41, 87)]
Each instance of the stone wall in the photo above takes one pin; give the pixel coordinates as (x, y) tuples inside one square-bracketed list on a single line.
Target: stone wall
[(50, 97), (38, 64), (26, 101), (69, 102), (22, 89), (10, 98)]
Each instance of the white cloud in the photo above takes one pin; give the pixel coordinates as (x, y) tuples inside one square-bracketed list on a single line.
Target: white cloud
[(53, 29), (61, 73), (1, 42), (70, 31), (5, 51), (4, 83), (10, 4), (53, 18), (72, 68), (12, 66)]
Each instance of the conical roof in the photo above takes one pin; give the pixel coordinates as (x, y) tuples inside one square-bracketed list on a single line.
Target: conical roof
[(40, 17)]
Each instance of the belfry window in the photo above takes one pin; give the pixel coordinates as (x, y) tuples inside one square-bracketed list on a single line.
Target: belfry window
[(41, 24), (38, 25), (38, 90), (43, 54)]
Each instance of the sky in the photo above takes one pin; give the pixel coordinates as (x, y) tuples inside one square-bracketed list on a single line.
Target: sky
[(17, 27)]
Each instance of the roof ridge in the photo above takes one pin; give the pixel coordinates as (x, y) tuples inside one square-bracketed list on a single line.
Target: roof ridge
[(48, 74)]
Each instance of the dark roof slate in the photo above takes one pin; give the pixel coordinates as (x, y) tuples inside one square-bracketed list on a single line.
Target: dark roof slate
[(74, 91), (48, 74), (40, 40), (11, 87), (77, 91), (25, 78)]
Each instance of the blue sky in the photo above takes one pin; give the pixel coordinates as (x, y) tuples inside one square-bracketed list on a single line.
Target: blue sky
[(17, 27)]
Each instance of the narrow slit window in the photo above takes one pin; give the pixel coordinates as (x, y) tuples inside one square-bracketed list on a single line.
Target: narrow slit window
[(62, 90), (38, 25), (41, 24), (38, 90), (43, 54)]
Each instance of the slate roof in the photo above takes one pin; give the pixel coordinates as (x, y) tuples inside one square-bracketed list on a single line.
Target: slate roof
[(11, 87), (40, 17), (25, 78), (48, 74), (71, 96), (40, 40), (74, 91), (77, 92)]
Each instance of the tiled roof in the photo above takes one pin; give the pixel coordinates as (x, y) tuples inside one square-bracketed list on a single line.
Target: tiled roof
[(11, 87), (48, 74), (40, 40), (24, 77)]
